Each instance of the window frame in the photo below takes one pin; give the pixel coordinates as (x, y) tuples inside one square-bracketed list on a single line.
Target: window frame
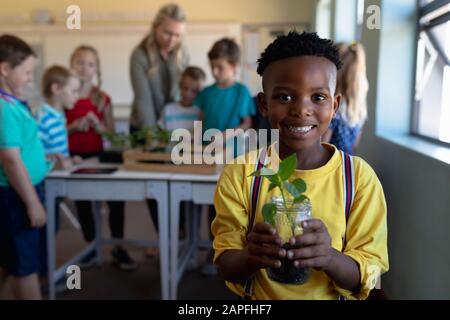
[(424, 10)]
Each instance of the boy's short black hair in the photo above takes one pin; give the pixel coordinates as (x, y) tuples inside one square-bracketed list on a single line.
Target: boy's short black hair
[(195, 73), (14, 50), (295, 44), (225, 48)]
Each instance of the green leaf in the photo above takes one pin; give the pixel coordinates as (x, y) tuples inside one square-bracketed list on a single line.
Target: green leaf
[(268, 211), (264, 172), (287, 167), (300, 184), (300, 199), (291, 189), (275, 179), (272, 186), (255, 174)]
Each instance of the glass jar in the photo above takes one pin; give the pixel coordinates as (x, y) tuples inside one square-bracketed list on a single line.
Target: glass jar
[(288, 219)]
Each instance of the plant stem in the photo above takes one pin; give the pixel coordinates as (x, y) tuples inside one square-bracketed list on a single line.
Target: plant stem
[(292, 205), (284, 198)]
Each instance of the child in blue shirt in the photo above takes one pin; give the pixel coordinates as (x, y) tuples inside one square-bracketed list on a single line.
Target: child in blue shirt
[(22, 171), (60, 89), (226, 104)]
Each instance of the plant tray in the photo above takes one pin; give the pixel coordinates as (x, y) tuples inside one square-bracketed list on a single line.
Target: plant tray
[(139, 160)]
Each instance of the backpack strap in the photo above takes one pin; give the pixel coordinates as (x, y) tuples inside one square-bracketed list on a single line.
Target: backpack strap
[(254, 195), (348, 178)]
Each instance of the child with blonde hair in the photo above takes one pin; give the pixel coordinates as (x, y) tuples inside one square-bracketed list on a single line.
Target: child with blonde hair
[(60, 88), (90, 118), (346, 127)]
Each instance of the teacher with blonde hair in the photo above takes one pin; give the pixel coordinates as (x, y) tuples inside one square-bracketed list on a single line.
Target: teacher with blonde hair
[(155, 69), (156, 65)]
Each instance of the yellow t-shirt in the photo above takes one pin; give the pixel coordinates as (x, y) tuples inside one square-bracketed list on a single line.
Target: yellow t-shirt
[(366, 230)]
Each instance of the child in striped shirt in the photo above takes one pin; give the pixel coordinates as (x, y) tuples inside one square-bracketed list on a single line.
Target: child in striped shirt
[(60, 89), (182, 114)]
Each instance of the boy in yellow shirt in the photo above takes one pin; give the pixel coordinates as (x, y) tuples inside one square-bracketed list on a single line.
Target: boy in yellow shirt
[(346, 242)]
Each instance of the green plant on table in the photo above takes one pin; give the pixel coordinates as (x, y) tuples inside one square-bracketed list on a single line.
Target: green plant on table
[(118, 139), (159, 136)]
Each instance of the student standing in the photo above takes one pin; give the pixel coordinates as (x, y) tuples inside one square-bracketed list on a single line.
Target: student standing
[(226, 104), (60, 89), (22, 171), (346, 245), (346, 127), (91, 117)]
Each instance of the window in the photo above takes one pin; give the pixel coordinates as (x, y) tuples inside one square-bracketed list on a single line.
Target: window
[(360, 6), (431, 116)]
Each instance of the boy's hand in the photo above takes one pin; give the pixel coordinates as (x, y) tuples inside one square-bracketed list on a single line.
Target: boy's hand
[(61, 162), (66, 163), (316, 251), (36, 214), (264, 247), (54, 157)]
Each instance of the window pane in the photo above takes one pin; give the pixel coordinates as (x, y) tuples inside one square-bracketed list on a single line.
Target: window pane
[(435, 14), (442, 35), (432, 99), (425, 2), (433, 85)]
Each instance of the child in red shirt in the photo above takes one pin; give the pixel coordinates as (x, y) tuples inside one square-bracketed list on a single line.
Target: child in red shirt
[(90, 118)]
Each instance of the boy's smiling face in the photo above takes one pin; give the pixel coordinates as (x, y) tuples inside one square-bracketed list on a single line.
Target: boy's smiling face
[(299, 100)]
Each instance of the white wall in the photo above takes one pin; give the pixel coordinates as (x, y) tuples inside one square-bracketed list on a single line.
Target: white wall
[(115, 44)]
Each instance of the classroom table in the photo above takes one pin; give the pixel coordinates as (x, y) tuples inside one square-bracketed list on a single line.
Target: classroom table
[(118, 186), (199, 190)]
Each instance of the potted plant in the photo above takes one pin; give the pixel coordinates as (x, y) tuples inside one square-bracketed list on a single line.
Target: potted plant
[(285, 213)]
